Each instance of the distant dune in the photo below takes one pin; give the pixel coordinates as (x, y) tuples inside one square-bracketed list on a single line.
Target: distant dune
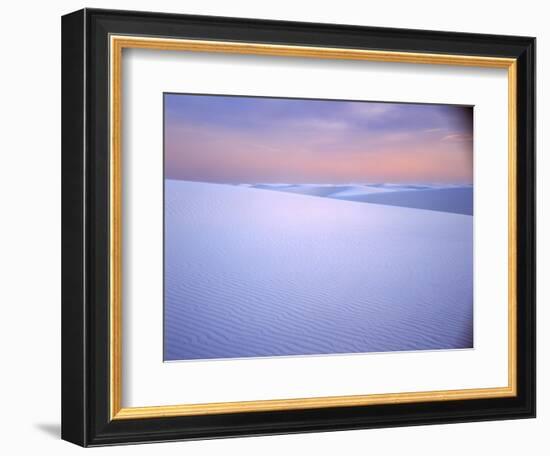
[(303, 189), (458, 199), (252, 273)]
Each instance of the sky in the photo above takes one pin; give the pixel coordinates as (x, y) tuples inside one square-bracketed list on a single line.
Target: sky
[(234, 139)]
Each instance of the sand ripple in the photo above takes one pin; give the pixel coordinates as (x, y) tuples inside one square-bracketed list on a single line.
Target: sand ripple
[(253, 273)]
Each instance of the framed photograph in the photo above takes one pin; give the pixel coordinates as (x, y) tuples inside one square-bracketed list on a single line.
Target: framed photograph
[(279, 227)]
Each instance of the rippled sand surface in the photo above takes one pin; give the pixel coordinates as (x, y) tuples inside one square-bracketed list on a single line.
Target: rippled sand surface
[(251, 272)]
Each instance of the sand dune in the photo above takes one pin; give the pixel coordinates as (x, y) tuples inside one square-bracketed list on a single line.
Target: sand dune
[(447, 198), (303, 189), (456, 200), (253, 273), (329, 190)]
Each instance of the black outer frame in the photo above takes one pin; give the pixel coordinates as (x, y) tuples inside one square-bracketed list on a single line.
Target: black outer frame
[(85, 227)]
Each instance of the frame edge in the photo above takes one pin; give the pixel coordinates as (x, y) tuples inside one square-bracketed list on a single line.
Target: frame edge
[(73, 302)]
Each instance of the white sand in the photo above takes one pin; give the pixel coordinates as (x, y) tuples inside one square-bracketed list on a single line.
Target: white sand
[(250, 272)]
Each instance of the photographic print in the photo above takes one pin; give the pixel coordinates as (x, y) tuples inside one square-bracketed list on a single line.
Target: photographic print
[(297, 227)]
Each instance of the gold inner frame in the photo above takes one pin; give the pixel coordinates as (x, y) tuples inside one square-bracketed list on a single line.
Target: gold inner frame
[(117, 44)]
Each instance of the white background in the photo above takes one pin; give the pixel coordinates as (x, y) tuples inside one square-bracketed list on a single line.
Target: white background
[(30, 228), (148, 73)]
